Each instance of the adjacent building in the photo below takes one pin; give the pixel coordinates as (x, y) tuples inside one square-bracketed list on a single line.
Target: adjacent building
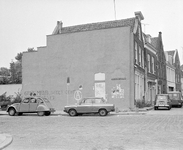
[(104, 59), (173, 59), (150, 69), (170, 72), (157, 42)]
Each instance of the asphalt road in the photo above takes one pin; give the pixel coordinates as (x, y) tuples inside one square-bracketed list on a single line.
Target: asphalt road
[(156, 130)]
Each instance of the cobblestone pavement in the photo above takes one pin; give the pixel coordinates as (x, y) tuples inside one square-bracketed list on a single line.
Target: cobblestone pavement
[(157, 130)]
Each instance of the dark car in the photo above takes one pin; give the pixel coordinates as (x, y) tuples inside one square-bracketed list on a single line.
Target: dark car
[(162, 101), (90, 105), (176, 98)]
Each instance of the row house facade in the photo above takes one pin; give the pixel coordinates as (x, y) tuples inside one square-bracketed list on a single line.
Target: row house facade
[(170, 72), (181, 68), (173, 58), (150, 69), (157, 42)]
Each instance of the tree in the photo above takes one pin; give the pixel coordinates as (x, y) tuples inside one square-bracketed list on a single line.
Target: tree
[(19, 57), (4, 75), (4, 71)]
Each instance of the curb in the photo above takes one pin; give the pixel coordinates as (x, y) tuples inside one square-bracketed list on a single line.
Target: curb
[(7, 140)]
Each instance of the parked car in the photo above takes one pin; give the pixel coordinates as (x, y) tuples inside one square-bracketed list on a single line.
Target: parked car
[(39, 105), (176, 98), (162, 100), (90, 105)]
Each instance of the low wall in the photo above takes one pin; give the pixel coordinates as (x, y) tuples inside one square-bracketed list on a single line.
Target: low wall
[(10, 89)]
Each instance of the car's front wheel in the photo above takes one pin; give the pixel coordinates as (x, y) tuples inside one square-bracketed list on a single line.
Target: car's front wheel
[(102, 112), (72, 112), (11, 111), (41, 113)]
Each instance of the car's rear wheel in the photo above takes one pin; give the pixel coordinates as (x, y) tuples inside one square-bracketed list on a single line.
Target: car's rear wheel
[(47, 113), (72, 112), (41, 113), (102, 112), (11, 111)]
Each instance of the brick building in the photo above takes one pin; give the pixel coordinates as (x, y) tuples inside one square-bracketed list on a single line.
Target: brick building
[(173, 54), (103, 59), (150, 69), (157, 42)]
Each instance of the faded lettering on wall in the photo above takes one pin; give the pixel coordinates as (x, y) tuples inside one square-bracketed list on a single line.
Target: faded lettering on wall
[(48, 94)]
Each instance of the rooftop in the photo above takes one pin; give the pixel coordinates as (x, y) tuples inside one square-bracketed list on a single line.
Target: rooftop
[(95, 26)]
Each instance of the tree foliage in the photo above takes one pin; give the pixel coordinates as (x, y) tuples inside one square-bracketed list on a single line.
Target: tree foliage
[(14, 74)]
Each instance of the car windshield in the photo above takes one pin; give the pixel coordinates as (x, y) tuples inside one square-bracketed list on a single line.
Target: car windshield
[(45, 99), (162, 97), (174, 96)]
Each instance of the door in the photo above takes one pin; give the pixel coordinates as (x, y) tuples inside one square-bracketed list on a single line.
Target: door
[(33, 105), (100, 89), (24, 105)]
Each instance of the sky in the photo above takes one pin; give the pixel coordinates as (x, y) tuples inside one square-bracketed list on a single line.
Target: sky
[(25, 23)]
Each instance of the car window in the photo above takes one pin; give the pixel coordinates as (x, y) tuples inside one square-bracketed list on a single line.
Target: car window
[(98, 101), (26, 100), (33, 100), (162, 97), (88, 101)]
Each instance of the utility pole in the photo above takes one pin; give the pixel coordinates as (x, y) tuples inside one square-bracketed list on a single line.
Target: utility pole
[(114, 10)]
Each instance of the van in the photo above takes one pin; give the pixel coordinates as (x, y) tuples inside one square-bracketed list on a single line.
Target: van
[(162, 101), (176, 98)]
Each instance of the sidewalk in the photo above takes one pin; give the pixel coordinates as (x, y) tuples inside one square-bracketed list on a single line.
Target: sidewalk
[(5, 140)]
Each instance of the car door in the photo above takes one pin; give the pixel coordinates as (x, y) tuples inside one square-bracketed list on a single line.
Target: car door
[(33, 104), (85, 106), (24, 105), (97, 104)]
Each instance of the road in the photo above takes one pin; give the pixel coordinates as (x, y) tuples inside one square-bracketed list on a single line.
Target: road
[(156, 130)]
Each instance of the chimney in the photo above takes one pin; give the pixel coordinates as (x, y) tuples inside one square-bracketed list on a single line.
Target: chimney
[(139, 15), (148, 38), (59, 25)]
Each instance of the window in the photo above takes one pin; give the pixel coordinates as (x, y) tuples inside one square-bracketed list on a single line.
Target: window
[(139, 33), (136, 59), (140, 58), (148, 61), (153, 65)]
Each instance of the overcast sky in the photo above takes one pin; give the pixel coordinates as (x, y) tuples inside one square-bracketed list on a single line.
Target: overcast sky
[(25, 23)]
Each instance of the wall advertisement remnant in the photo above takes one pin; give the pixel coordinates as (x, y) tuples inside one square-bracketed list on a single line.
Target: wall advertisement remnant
[(117, 92)]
